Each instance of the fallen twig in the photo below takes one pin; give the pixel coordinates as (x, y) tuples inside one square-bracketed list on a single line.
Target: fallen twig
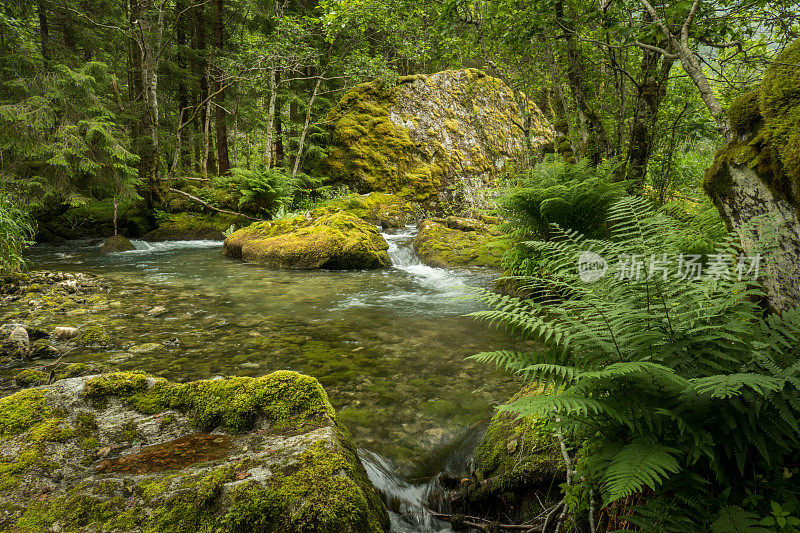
[(203, 202)]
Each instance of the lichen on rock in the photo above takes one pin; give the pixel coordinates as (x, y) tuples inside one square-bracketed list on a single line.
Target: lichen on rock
[(456, 241), (321, 238), (238, 454), (435, 138), (755, 179)]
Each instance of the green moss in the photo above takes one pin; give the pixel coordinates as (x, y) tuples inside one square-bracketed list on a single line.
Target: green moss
[(285, 398), (51, 430), (347, 503), (94, 335), (459, 242), (89, 443), (84, 505), (21, 411), (372, 153), (10, 470), (74, 370), (322, 238), (744, 112), (31, 378), (192, 226), (772, 150)]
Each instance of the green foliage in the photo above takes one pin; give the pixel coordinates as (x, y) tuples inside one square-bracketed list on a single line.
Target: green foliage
[(16, 233), (573, 196), (679, 388), (266, 191), (61, 141)]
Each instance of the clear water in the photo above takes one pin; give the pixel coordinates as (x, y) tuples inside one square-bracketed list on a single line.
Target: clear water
[(388, 345)]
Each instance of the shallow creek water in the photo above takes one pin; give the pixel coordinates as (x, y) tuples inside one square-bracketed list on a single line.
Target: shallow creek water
[(389, 345)]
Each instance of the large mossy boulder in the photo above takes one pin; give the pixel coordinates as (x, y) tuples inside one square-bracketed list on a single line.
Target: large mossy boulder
[(517, 465), (441, 137), (456, 242), (755, 178), (322, 238), (128, 452)]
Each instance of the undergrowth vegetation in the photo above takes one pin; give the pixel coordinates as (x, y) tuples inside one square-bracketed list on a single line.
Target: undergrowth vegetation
[(681, 391)]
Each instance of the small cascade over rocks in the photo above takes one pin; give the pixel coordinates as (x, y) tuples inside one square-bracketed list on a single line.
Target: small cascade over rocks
[(401, 252)]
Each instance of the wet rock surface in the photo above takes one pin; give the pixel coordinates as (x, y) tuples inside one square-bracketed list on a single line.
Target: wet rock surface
[(458, 241), (432, 138), (316, 239), (130, 452)]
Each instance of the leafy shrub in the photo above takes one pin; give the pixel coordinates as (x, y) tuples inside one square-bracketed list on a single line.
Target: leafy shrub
[(683, 393), (574, 196), (16, 233), (261, 191)]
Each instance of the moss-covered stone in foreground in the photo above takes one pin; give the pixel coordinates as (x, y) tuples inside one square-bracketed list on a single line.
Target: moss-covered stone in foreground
[(238, 454), (454, 242), (321, 238)]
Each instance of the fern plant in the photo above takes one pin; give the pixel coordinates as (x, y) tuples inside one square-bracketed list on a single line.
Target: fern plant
[(677, 387)]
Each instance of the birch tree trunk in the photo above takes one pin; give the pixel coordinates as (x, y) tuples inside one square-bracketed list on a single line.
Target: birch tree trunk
[(273, 84), (301, 142)]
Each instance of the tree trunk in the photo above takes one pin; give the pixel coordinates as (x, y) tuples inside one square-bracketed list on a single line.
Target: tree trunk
[(280, 153), (273, 93), (302, 140), (183, 97), (148, 21), (651, 88), (44, 30), (220, 118), (593, 133)]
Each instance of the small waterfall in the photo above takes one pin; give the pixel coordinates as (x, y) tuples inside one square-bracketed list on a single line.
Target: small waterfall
[(406, 502), (401, 252)]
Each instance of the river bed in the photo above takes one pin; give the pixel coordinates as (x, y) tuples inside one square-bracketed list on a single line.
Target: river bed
[(389, 345)]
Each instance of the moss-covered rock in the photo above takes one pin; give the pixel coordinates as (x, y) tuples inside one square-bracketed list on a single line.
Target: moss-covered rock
[(430, 138), (195, 227), (757, 175), (322, 238), (455, 241), (517, 464), (116, 243), (239, 454), (387, 210)]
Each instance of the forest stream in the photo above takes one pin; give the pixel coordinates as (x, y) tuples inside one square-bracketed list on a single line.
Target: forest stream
[(389, 345)]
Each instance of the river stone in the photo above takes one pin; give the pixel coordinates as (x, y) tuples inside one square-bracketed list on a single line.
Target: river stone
[(755, 179), (128, 452), (317, 239), (457, 241), (442, 137), (116, 243), (19, 336), (66, 333)]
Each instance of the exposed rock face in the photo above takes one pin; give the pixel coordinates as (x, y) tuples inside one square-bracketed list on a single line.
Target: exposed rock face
[(116, 243), (441, 137), (321, 238), (455, 241), (755, 179), (129, 452)]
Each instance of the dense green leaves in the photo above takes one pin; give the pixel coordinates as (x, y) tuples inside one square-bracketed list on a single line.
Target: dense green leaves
[(677, 385)]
